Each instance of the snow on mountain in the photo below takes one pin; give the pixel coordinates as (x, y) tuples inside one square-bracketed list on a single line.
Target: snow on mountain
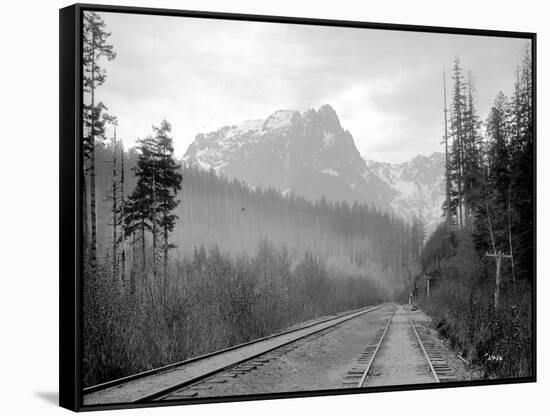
[(310, 154), (280, 120), (419, 186)]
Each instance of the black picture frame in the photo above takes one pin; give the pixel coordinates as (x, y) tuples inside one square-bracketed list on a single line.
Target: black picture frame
[(70, 177)]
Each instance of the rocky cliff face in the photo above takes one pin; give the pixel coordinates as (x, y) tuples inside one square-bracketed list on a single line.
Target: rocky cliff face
[(419, 186)]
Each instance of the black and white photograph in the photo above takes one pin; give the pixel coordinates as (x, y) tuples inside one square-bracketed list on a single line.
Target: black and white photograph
[(275, 208)]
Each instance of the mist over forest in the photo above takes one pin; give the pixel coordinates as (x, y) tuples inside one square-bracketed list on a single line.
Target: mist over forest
[(229, 214)]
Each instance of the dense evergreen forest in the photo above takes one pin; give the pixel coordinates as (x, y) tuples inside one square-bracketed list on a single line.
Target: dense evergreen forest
[(229, 214), (179, 261), (481, 258)]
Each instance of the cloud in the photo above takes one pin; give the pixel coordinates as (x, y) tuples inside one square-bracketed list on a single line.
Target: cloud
[(202, 74)]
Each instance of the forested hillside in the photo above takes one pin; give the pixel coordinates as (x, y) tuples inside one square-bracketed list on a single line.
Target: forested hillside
[(229, 214), (312, 155), (481, 259)]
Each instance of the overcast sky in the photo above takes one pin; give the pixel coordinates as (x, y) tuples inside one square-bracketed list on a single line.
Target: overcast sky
[(386, 86)]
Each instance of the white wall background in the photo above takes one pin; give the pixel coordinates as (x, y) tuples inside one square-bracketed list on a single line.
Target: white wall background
[(29, 207)]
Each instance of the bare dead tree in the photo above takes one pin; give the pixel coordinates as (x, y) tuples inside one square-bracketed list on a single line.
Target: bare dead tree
[(510, 241), (122, 212), (114, 211), (447, 167)]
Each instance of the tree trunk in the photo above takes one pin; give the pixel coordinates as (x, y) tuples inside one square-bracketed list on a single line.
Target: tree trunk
[(143, 261), (497, 279), (133, 271), (510, 241), (115, 216), (93, 213), (460, 174), (165, 259), (455, 164), (154, 221), (85, 224), (497, 256), (122, 207), (447, 173), (165, 214)]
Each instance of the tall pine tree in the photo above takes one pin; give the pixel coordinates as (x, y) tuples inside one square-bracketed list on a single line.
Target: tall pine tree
[(458, 105), (94, 48), (150, 207), (472, 173), (168, 184), (521, 166)]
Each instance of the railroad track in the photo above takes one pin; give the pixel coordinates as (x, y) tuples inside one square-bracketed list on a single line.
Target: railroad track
[(438, 366), (439, 370), (357, 376), (174, 380), (202, 385)]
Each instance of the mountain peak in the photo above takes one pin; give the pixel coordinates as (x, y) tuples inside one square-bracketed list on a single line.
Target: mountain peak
[(311, 155), (436, 156), (327, 109), (280, 119), (418, 186), (326, 112)]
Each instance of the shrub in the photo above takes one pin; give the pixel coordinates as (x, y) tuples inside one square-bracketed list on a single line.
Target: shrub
[(462, 307), (211, 301)]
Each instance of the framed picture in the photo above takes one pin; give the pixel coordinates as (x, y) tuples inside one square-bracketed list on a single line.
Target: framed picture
[(256, 207)]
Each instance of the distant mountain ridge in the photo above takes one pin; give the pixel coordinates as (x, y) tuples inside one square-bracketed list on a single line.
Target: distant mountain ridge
[(312, 155), (418, 184)]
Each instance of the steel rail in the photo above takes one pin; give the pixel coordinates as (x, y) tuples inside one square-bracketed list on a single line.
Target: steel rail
[(160, 394), (371, 361), (432, 369), (113, 383)]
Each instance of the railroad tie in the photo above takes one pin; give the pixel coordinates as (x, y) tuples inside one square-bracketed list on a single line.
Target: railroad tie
[(357, 375), (216, 381), (186, 394)]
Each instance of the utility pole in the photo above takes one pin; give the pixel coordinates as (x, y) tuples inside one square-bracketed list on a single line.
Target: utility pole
[(428, 279), (498, 258)]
